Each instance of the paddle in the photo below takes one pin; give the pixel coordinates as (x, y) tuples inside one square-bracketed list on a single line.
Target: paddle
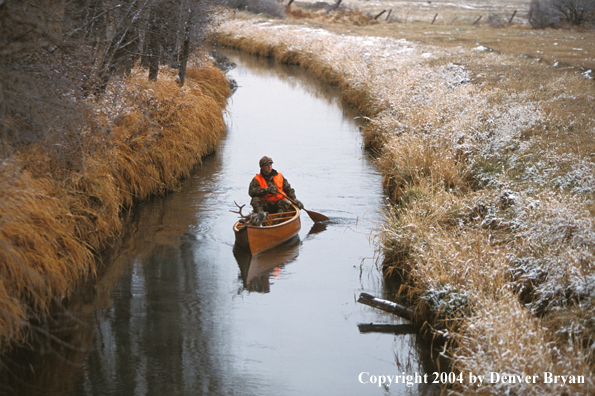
[(315, 216)]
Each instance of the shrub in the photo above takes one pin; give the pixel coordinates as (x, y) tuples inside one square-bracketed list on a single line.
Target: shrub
[(576, 12), (270, 7), (549, 13), (542, 14), (495, 20), (340, 14)]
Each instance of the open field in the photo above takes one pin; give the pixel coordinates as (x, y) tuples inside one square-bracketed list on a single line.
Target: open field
[(488, 159), (412, 20)]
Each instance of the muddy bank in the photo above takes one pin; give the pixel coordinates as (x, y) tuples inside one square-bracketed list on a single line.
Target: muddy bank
[(492, 211), (55, 216)]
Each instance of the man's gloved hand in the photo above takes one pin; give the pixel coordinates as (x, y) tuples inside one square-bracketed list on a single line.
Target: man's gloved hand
[(299, 204), (271, 190)]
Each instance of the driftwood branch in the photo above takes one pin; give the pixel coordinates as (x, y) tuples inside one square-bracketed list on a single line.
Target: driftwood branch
[(388, 16), (385, 305), (434, 20), (400, 329), (477, 20)]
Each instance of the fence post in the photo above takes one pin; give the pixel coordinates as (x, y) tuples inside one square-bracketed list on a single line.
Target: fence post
[(378, 16), (512, 17), (334, 7)]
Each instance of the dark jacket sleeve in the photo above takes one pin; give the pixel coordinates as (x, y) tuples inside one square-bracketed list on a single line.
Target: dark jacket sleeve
[(288, 190), (254, 190)]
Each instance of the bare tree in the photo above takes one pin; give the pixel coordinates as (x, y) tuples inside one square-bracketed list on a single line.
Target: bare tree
[(576, 12), (550, 13), (55, 52), (156, 31), (40, 77), (174, 29), (542, 14), (270, 7)]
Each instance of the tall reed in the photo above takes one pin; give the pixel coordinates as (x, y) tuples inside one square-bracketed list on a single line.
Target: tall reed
[(54, 217)]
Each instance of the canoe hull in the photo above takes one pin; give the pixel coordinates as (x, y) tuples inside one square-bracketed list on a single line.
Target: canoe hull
[(260, 239)]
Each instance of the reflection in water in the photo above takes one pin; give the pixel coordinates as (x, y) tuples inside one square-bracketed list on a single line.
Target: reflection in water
[(317, 228), (173, 313), (256, 270)]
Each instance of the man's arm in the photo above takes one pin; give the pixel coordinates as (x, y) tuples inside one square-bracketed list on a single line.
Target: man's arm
[(290, 192)]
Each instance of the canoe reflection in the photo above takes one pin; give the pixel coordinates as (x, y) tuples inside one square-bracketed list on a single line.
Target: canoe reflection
[(256, 270)]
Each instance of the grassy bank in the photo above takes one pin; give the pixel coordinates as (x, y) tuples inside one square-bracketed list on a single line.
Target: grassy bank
[(488, 161), (56, 215)]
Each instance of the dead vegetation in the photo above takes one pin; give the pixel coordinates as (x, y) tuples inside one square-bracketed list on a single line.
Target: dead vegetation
[(488, 160), (86, 130), (342, 14), (54, 218)]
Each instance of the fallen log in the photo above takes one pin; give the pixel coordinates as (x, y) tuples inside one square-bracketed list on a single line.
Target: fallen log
[(385, 305), (400, 329)]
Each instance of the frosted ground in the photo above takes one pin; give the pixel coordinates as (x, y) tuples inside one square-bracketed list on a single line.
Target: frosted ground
[(445, 11)]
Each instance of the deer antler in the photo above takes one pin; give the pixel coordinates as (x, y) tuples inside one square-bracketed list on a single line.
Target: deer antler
[(240, 211)]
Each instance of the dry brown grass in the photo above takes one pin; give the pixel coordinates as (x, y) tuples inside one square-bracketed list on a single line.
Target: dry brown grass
[(54, 218), (519, 344), (410, 159), (352, 16), (487, 157)]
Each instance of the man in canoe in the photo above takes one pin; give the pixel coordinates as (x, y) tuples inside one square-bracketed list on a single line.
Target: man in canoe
[(269, 190)]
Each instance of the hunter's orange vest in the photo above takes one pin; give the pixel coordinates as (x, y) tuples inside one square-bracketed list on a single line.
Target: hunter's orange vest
[(278, 181)]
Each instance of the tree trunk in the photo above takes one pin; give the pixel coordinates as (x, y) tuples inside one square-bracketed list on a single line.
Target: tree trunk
[(185, 52), (152, 45)]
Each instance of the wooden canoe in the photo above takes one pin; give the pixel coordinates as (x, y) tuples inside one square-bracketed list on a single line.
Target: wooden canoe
[(277, 228)]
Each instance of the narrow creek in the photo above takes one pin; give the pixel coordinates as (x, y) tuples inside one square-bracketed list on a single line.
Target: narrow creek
[(176, 313)]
